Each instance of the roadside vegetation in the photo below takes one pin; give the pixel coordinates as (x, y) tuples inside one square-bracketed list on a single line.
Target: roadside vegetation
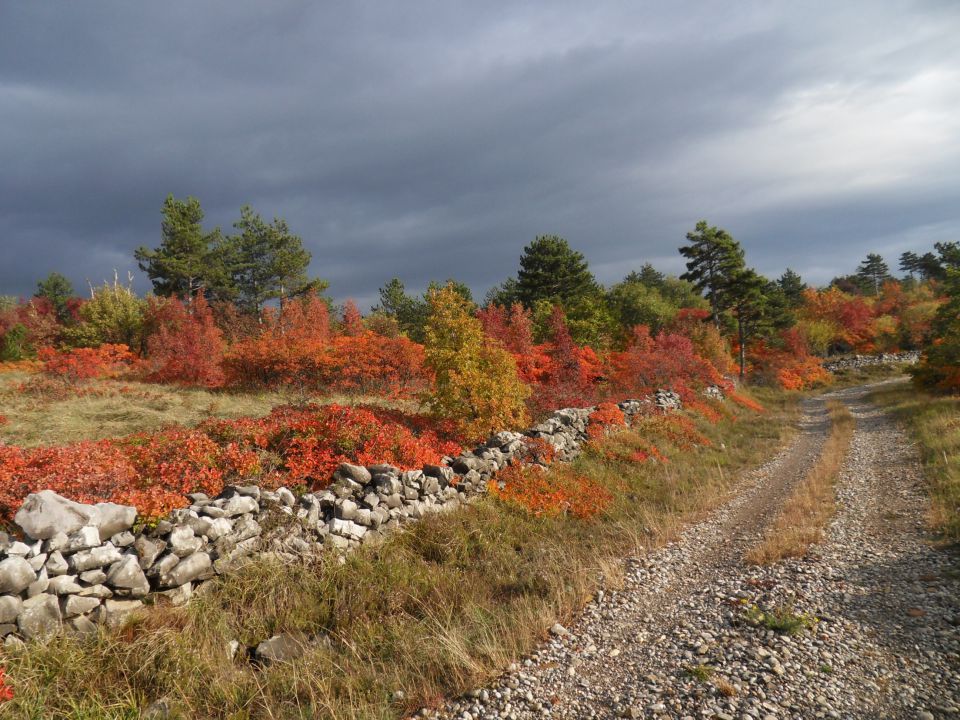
[(934, 423), (808, 510), (432, 612)]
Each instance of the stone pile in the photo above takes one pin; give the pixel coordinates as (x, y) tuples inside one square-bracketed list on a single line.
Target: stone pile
[(860, 361), (79, 565)]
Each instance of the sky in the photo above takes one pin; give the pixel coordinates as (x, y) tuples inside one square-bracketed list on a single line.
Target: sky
[(429, 140)]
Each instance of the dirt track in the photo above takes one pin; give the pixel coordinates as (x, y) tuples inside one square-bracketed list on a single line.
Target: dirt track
[(676, 641)]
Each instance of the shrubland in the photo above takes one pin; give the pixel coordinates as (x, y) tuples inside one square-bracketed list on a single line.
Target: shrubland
[(431, 612)]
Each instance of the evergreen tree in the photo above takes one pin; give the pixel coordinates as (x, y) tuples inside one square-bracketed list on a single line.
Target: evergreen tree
[(930, 268), (747, 293), (910, 263), (872, 273), (713, 259), (504, 294), (792, 287), (409, 312), (58, 290), (949, 256), (188, 260), (551, 270), (265, 261), (648, 276)]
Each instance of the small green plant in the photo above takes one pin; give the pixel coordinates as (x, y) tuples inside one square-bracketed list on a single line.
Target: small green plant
[(780, 619), (700, 672), (826, 669)]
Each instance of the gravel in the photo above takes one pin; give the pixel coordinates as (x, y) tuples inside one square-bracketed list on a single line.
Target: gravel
[(876, 603)]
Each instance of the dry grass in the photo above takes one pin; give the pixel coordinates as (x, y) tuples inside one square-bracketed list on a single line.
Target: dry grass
[(934, 423), (433, 611), (116, 408), (807, 511)]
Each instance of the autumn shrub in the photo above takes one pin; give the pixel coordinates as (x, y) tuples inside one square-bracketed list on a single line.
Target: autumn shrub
[(745, 401), (667, 361), (372, 364), (185, 346), (286, 351), (476, 383), (78, 364), (559, 491), (563, 374), (791, 366), (295, 349), (606, 417)]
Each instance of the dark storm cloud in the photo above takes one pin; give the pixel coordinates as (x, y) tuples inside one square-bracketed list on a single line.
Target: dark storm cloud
[(434, 139)]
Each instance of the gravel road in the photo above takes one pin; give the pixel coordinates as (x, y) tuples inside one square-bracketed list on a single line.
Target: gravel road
[(678, 640)]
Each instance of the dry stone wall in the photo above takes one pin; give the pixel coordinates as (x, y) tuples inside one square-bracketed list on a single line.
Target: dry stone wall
[(860, 361), (78, 566)]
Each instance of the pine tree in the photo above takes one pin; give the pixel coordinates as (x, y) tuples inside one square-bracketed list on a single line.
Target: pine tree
[(872, 272), (748, 296), (910, 263), (265, 261), (188, 260), (551, 270), (713, 259), (58, 290), (792, 287)]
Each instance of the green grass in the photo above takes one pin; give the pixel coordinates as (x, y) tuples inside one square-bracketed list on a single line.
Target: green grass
[(115, 408), (700, 672), (779, 619), (934, 423), (433, 611)]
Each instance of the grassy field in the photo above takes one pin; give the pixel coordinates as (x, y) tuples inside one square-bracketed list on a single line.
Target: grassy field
[(434, 611), (109, 408), (934, 422)]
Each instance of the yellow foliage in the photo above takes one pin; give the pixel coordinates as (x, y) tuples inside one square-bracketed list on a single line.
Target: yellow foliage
[(476, 385)]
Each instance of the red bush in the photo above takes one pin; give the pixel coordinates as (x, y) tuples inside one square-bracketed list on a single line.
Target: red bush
[(186, 346), (78, 364)]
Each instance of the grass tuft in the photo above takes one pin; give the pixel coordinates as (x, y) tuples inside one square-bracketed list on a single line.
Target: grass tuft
[(781, 619)]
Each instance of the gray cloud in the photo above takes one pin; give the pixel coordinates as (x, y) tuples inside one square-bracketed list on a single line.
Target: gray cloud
[(434, 139)]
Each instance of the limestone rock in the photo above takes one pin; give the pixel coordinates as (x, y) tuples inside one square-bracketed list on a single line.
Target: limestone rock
[(15, 575), (187, 570), (40, 616), (97, 557), (126, 574), (46, 513), (9, 608)]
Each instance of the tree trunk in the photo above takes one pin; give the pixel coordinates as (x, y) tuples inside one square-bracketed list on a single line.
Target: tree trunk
[(742, 350)]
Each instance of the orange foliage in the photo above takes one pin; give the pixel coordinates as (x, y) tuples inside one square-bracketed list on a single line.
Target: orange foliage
[(606, 417), (791, 367), (746, 402), (296, 349), (153, 471), (186, 346), (106, 361), (668, 361), (558, 491)]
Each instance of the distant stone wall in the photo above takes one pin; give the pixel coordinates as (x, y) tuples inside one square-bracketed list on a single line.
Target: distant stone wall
[(860, 361), (78, 565)]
